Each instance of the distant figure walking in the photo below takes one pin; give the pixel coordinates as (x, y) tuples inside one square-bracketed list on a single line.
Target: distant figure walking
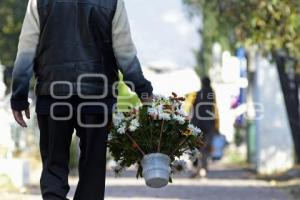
[(205, 117)]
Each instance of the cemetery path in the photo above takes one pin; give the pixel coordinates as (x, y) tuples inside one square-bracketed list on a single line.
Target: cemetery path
[(225, 184)]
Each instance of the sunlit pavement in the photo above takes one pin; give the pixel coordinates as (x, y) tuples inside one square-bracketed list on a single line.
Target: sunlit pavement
[(222, 184)]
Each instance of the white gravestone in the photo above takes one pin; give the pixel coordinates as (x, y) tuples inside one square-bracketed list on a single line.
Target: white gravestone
[(275, 149), (16, 169)]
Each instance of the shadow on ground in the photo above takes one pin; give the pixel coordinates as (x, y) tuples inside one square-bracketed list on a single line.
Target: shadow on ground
[(225, 184)]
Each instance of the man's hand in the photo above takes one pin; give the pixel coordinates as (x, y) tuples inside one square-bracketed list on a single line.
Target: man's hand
[(18, 115)]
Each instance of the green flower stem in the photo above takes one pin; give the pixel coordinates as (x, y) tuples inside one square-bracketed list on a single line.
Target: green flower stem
[(137, 145), (121, 144), (149, 143), (180, 145), (151, 136), (184, 150), (160, 136)]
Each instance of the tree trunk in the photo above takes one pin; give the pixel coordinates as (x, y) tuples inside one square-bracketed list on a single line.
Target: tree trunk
[(290, 90)]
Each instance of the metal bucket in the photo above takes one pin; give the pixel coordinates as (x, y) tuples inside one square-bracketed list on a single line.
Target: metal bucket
[(156, 170)]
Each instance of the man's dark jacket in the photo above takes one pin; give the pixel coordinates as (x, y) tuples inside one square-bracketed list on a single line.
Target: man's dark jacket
[(75, 52), (75, 39)]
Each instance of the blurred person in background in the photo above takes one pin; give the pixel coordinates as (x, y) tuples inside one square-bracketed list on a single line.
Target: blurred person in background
[(60, 42), (205, 117)]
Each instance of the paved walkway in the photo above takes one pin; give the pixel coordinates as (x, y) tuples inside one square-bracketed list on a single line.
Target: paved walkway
[(233, 184)]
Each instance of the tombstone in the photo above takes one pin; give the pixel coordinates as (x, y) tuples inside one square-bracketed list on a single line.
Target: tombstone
[(226, 89), (17, 170), (6, 142), (274, 144), (215, 70)]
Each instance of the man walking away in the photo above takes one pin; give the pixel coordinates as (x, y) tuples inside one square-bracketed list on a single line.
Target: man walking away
[(75, 49)]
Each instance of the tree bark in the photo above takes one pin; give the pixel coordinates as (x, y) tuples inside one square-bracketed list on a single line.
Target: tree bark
[(290, 88)]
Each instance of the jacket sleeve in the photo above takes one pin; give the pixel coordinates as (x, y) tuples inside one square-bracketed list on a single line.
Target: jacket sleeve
[(126, 54), (23, 67)]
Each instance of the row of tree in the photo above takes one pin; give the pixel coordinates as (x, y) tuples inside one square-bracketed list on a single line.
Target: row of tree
[(274, 25)]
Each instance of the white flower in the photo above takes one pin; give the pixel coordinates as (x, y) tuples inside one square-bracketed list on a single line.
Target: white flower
[(152, 111), (178, 166), (161, 97), (176, 105), (155, 111), (181, 112), (160, 108), (196, 131), (194, 154), (134, 124), (118, 118), (164, 116), (109, 137), (132, 128), (122, 129), (179, 118)]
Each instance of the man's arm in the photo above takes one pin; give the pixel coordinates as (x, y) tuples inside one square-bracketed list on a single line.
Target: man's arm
[(126, 53), (23, 68)]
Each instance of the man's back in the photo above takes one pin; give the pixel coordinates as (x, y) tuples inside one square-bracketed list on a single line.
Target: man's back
[(76, 47), (77, 36)]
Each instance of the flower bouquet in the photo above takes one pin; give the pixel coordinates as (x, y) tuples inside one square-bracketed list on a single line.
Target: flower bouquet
[(154, 137)]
